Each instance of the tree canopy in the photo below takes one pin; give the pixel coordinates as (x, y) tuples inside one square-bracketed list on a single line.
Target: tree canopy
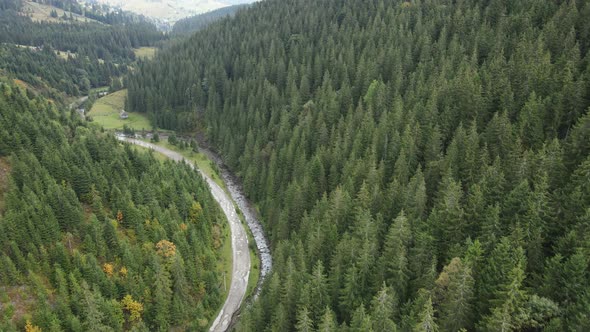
[(410, 159), (95, 235)]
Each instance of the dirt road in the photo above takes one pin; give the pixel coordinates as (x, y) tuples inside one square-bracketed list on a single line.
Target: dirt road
[(239, 240)]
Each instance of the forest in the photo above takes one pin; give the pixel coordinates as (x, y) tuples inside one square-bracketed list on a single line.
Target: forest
[(97, 236), (419, 166), (70, 57), (107, 42), (52, 75)]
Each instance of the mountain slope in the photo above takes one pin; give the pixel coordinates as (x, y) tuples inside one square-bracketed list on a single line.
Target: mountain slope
[(416, 163), (172, 10), (96, 236), (195, 23), (72, 54)]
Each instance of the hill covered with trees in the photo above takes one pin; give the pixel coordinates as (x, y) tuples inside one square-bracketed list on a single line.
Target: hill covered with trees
[(419, 165), (195, 23), (70, 57), (96, 236)]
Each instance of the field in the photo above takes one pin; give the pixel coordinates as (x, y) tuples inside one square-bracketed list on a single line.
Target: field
[(105, 112), (40, 12), (65, 55), (145, 52)]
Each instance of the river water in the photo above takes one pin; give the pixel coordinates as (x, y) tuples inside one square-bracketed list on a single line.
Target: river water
[(236, 191)]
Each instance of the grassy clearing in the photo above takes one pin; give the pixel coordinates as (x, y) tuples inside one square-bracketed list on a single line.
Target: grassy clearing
[(225, 264), (106, 110), (42, 13), (65, 55), (254, 259), (145, 52), (224, 268)]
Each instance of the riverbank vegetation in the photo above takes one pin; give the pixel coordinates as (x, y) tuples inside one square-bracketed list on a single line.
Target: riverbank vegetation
[(417, 164)]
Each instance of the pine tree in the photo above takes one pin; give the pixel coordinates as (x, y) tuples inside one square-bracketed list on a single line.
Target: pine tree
[(383, 308), (427, 320), (511, 297), (456, 291), (394, 261), (361, 320), (328, 322), (304, 322)]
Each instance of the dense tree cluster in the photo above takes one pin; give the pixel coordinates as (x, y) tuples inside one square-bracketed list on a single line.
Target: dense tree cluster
[(95, 236), (419, 165), (106, 42), (13, 5), (195, 23), (92, 55), (43, 69)]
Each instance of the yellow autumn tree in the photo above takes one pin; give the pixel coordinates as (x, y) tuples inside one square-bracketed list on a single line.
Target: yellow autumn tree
[(29, 327), (196, 212), (132, 307), (166, 249), (119, 216), (108, 269)]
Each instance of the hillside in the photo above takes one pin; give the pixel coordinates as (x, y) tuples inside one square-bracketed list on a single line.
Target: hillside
[(72, 54), (95, 236), (44, 13), (171, 10), (418, 165), (195, 23)]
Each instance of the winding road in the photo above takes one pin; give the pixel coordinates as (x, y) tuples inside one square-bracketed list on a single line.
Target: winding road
[(239, 241)]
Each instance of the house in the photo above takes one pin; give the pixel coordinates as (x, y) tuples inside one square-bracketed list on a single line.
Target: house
[(123, 115)]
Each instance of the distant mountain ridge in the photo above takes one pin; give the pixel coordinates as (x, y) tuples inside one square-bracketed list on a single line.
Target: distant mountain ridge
[(171, 10)]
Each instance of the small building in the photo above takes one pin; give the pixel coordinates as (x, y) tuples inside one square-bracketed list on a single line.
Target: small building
[(124, 115)]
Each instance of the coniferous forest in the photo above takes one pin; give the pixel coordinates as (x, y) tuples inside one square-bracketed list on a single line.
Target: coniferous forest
[(419, 165), (96, 236), (195, 23), (92, 53)]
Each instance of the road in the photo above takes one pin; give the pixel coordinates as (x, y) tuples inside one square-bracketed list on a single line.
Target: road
[(237, 194), (239, 240)]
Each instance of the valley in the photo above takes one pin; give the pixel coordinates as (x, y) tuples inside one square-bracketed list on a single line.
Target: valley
[(295, 165)]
